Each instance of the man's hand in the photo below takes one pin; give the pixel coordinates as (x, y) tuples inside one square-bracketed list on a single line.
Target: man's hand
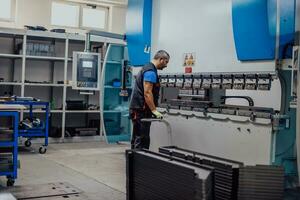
[(157, 114)]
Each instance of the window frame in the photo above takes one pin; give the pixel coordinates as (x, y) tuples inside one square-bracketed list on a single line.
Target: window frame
[(12, 13), (97, 7), (66, 3)]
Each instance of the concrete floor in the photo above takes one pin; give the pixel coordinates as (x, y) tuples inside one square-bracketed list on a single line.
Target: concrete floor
[(96, 168)]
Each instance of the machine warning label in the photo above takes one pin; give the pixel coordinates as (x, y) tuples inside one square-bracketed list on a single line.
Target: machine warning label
[(189, 60)]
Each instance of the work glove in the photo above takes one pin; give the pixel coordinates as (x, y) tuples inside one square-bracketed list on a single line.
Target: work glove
[(157, 114)]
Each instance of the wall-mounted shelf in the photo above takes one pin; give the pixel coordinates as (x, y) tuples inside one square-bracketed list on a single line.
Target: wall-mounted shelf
[(82, 111), (46, 58), (44, 84), (10, 83), (42, 111), (5, 55), (112, 87)]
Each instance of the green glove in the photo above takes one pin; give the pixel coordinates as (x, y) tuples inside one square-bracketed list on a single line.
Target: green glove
[(157, 114)]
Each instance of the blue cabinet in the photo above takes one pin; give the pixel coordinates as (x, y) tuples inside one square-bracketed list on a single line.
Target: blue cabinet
[(138, 31), (116, 124)]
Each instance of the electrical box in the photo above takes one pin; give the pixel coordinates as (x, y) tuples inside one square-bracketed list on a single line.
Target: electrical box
[(86, 71)]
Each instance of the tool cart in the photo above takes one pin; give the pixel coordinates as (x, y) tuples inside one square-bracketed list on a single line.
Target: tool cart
[(32, 127), (9, 147)]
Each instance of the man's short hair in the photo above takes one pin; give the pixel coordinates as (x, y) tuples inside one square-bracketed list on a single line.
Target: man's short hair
[(161, 54)]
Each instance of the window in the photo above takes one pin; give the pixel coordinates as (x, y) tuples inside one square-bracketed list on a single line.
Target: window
[(65, 15), (94, 18), (6, 10)]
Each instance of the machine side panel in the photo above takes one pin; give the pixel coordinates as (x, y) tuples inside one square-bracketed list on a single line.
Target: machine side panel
[(138, 31), (254, 29), (287, 28)]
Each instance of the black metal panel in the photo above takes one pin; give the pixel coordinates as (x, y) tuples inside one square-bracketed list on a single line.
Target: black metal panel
[(155, 176), (226, 171)]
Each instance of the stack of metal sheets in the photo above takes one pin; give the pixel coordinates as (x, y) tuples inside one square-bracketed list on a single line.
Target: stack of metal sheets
[(225, 171), (155, 176), (261, 183)]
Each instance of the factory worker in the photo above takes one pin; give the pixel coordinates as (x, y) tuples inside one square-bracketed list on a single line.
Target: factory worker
[(144, 99)]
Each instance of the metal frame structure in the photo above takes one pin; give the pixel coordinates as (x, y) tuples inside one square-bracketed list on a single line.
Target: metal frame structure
[(68, 39)]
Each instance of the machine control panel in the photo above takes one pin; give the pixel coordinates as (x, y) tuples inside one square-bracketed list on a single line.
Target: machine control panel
[(250, 82), (86, 71)]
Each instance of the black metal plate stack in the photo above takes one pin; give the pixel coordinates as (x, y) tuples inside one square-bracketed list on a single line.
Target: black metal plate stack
[(261, 183), (153, 176), (225, 174)]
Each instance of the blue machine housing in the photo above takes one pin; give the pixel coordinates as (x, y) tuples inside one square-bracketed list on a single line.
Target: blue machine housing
[(138, 31), (254, 26)]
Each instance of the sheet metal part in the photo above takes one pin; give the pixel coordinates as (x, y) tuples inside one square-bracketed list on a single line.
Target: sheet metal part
[(261, 182), (156, 176), (225, 171)]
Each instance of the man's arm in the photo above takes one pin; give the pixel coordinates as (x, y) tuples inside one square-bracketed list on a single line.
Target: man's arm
[(148, 95)]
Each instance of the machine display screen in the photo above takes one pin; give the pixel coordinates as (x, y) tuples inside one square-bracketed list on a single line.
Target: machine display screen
[(87, 64), (87, 70)]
